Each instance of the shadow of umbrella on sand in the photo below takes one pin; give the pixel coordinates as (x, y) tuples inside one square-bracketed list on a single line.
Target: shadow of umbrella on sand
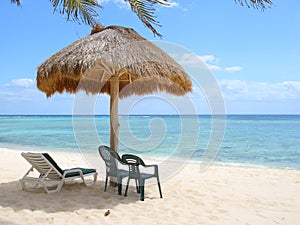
[(113, 60)]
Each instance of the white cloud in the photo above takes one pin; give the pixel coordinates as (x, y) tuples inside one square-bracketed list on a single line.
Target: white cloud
[(189, 59), (172, 4), (291, 89), (260, 91), (233, 69), (23, 82), (210, 62), (214, 67), (208, 58), (193, 60), (120, 3)]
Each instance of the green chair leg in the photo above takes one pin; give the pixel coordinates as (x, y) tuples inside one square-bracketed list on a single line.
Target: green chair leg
[(159, 188), (105, 187)]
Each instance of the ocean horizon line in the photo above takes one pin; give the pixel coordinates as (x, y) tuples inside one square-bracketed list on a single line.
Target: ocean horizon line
[(91, 115)]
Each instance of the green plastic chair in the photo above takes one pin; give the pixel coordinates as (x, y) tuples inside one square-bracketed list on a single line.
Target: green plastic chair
[(113, 161), (134, 162)]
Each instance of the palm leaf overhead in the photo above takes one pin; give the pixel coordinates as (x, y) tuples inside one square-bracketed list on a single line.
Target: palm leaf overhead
[(255, 3), (144, 9), (85, 10), (78, 10), (18, 2)]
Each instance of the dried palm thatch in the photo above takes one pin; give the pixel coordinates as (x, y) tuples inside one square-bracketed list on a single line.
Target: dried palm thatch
[(90, 63)]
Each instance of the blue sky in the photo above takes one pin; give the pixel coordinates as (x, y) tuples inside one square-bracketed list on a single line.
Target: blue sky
[(253, 55)]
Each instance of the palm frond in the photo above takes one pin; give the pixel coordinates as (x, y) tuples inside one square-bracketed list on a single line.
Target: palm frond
[(85, 10), (77, 10), (263, 4), (145, 9), (18, 2)]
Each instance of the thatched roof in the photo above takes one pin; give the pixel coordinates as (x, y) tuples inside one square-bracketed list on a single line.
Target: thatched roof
[(88, 64)]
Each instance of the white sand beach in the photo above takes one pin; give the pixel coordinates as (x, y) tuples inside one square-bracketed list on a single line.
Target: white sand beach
[(220, 195)]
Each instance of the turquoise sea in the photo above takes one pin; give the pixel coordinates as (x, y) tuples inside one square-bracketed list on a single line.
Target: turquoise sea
[(263, 140)]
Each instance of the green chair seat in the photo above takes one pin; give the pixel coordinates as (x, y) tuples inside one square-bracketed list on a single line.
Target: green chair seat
[(83, 170)]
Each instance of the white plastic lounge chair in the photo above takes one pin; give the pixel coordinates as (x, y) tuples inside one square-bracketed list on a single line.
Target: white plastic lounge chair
[(50, 174)]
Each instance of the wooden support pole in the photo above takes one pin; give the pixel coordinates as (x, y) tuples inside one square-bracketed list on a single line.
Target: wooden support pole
[(114, 119)]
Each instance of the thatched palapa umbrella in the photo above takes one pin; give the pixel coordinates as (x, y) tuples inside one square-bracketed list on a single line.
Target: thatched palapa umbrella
[(113, 60)]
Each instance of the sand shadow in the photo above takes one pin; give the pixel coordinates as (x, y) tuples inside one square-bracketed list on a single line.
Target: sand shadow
[(6, 222), (72, 197)]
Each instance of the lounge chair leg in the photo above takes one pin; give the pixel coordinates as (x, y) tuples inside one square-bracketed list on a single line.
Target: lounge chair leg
[(58, 188), (91, 182), (95, 177), (23, 186)]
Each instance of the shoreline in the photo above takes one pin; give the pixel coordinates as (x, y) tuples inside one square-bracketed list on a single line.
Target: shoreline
[(220, 195), (155, 158)]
